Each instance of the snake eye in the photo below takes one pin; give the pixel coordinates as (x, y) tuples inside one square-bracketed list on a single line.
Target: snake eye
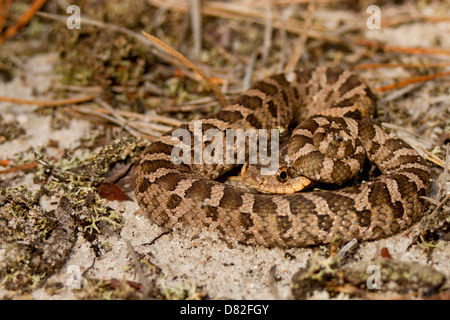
[(282, 174)]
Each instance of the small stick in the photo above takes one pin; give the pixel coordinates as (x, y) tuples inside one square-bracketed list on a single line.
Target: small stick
[(52, 103), (196, 22), (25, 166), (345, 249), (413, 80), (300, 45), (272, 283), (4, 9), (267, 31), (153, 118), (249, 71), (147, 286), (37, 4), (433, 158), (431, 51), (403, 65), (447, 197), (116, 118)]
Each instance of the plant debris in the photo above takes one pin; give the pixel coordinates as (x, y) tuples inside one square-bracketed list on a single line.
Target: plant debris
[(34, 242), (404, 279)]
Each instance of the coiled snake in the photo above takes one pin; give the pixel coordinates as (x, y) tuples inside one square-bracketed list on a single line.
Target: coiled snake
[(332, 101)]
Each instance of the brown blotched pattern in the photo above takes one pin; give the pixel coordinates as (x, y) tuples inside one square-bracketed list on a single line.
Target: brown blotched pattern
[(187, 196)]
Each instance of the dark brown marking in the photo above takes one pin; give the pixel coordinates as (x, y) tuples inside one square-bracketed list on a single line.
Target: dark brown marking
[(333, 75), (355, 114), (398, 209), (158, 147), (153, 165), (339, 172), (267, 88), (254, 121), (284, 223), (281, 80), (228, 116), (264, 206), (246, 220), (144, 185), (272, 108), (232, 198), (402, 160), (349, 84), (366, 131), (394, 144), (251, 102), (198, 191), (299, 205), (349, 102), (381, 199), (325, 222), (211, 212), (173, 201), (304, 76), (299, 141), (169, 181), (364, 218)]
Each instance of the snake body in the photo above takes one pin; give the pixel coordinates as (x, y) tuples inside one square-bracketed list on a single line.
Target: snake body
[(188, 196)]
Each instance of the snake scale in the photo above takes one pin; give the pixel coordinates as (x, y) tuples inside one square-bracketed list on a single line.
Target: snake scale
[(178, 196)]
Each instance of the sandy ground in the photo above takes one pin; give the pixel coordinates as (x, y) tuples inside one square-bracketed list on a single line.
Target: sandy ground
[(205, 263)]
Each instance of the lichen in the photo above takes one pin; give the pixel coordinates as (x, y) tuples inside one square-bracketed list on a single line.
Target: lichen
[(78, 178), (34, 242)]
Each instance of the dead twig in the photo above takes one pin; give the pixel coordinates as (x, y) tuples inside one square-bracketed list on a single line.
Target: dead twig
[(268, 31), (249, 71), (4, 9), (21, 167), (300, 45), (401, 65), (441, 204), (433, 158), (150, 118), (37, 4), (139, 125), (105, 117), (50, 103), (428, 51), (413, 80), (395, 21), (147, 286), (200, 104), (117, 118), (196, 22)]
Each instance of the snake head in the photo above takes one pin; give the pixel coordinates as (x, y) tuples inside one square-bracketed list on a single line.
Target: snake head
[(285, 180)]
